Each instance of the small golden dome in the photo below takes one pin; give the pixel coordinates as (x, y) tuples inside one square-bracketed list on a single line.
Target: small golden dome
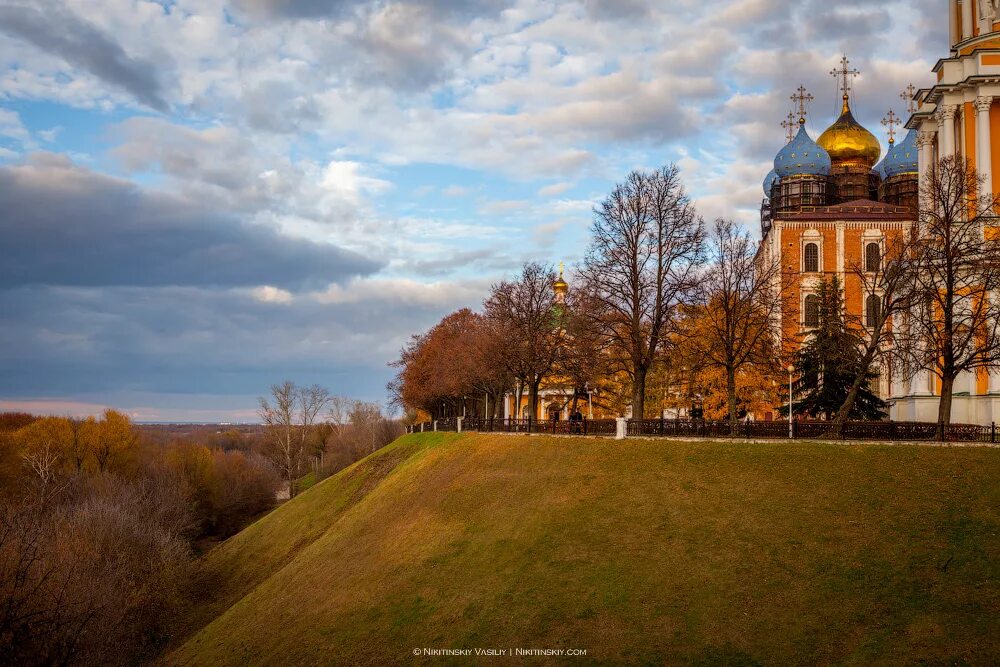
[(849, 143), (560, 286)]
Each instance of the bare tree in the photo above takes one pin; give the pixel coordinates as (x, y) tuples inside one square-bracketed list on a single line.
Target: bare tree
[(735, 321), (290, 417), (527, 312), (955, 313), (641, 267), (886, 293)]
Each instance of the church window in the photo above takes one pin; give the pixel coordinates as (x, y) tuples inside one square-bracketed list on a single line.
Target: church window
[(812, 310), (811, 258), (873, 257), (873, 310)]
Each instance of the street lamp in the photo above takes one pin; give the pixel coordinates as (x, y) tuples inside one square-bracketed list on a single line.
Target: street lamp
[(790, 432), (590, 400)]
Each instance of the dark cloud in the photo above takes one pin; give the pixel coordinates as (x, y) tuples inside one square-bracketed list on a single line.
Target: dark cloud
[(615, 10), (57, 31), (64, 225), (57, 341)]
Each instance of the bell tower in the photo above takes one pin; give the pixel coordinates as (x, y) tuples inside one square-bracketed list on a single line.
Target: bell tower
[(958, 115)]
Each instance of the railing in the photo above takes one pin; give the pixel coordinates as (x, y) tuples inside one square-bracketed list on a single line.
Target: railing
[(804, 430), (558, 426)]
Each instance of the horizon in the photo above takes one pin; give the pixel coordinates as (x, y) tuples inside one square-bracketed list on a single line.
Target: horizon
[(207, 198)]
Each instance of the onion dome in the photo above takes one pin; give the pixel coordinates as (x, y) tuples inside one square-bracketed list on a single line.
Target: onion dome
[(880, 167), (848, 143), (769, 182), (802, 156), (560, 286), (902, 158)]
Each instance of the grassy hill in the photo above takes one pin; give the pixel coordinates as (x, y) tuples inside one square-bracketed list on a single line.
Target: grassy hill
[(639, 551)]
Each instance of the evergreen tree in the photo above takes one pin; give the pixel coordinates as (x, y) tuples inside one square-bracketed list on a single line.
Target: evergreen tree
[(829, 361)]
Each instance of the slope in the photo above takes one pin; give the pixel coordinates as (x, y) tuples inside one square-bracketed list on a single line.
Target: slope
[(638, 551)]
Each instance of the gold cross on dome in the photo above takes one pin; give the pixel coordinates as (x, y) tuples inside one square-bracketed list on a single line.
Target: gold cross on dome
[(891, 120), (845, 75), (907, 96), (801, 97), (789, 125)]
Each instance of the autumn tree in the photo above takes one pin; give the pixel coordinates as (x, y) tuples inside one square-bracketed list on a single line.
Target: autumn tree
[(583, 361), (526, 311), (111, 440), (955, 315), (734, 324), (641, 267)]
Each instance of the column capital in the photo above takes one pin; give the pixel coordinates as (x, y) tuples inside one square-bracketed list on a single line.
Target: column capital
[(984, 103), (947, 112), (926, 138)]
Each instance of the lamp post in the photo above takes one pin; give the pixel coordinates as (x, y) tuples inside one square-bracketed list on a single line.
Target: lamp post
[(791, 433), (590, 400), (464, 400)]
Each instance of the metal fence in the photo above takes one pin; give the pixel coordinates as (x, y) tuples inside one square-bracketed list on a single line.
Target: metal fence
[(805, 430)]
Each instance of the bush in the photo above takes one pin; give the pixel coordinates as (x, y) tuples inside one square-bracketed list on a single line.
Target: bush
[(96, 577)]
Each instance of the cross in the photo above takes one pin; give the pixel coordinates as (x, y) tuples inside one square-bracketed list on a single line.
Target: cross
[(789, 125), (891, 120), (907, 96), (801, 97), (845, 75)]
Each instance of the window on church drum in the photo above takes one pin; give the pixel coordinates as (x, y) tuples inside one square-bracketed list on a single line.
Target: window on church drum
[(873, 257), (873, 310), (812, 258), (812, 311)]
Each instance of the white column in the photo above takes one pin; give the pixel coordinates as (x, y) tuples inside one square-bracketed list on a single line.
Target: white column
[(984, 153), (946, 130), (925, 158), (966, 19), (952, 23)]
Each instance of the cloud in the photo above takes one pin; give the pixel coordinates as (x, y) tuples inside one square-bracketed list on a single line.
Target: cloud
[(554, 189), (95, 230), (55, 30), (117, 341), (311, 9)]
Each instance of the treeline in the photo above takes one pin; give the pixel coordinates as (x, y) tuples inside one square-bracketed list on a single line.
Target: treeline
[(666, 306), (643, 318), (309, 430), (96, 533), (101, 520)]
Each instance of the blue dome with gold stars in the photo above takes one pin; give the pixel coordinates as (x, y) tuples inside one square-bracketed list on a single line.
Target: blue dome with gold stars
[(772, 178), (880, 167), (802, 156), (902, 158)]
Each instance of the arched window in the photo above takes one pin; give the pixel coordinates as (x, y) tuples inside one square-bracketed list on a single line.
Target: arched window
[(873, 310), (812, 258), (873, 257), (812, 310)]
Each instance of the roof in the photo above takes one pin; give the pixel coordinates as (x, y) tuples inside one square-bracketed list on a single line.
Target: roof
[(859, 209)]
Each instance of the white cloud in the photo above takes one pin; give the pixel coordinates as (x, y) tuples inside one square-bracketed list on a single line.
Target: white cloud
[(554, 189)]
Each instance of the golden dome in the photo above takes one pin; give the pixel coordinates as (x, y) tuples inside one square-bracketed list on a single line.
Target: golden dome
[(560, 286), (848, 143)]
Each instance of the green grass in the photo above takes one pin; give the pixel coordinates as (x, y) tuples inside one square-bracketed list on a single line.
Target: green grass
[(638, 551)]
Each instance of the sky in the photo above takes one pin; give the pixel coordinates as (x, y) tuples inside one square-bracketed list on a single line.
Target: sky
[(201, 198)]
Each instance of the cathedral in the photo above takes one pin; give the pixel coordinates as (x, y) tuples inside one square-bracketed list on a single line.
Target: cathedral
[(831, 205)]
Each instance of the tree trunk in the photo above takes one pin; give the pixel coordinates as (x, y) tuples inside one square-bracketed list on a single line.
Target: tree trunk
[(533, 399), (639, 392), (944, 407), (837, 425), (731, 397), (518, 397)]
